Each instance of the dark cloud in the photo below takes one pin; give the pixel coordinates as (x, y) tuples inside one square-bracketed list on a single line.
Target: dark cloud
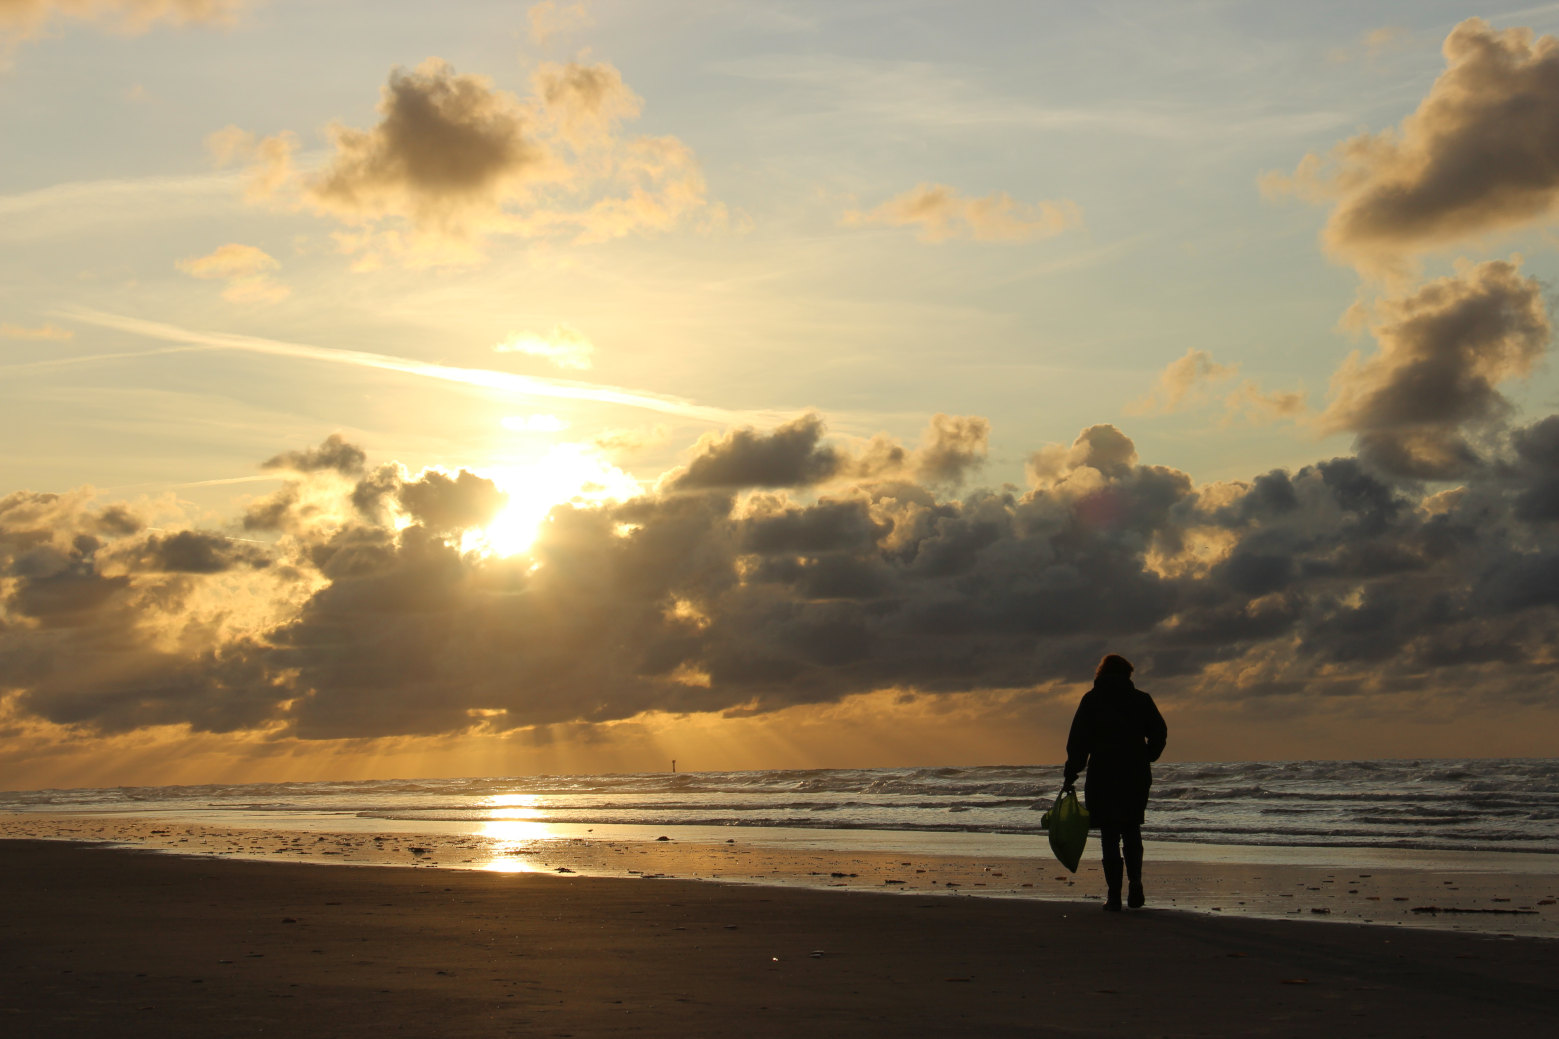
[(334, 453), (444, 504), (195, 552), (791, 456), (449, 150), (1444, 348), (1480, 154), (708, 597)]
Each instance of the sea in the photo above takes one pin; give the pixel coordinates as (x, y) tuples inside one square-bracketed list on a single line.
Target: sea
[(1474, 805)]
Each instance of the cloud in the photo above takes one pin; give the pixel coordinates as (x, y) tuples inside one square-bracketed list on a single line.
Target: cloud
[(245, 268), (195, 552), (751, 588), (456, 161), (443, 504), (22, 20), (268, 160), (791, 456), (44, 332), (795, 455), (334, 454), (1443, 350), (1251, 404), (585, 102), (1186, 381), (449, 151), (1479, 155), (940, 213), (1177, 384), (551, 18), (954, 448), (565, 346)]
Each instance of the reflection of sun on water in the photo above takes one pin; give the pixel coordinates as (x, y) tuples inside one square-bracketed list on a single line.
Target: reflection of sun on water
[(514, 819), (567, 473)]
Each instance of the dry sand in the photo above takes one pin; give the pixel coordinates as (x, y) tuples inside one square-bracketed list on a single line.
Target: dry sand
[(103, 942)]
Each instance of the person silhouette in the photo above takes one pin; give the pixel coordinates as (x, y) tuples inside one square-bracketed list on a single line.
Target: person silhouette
[(1116, 733)]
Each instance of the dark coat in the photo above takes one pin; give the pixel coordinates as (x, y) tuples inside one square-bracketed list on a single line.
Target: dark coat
[(1116, 733)]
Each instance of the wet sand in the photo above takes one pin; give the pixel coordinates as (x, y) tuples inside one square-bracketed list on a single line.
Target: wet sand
[(1492, 894), (110, 942)]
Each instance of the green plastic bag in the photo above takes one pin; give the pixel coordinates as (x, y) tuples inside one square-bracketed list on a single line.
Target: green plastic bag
[(1067, 822)]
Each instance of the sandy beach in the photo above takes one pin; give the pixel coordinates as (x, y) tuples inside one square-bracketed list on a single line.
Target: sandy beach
[(111, 942), (1496, 894)]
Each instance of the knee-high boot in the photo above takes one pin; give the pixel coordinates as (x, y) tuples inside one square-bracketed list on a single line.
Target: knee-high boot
[(1133, 848), (1112, 868)]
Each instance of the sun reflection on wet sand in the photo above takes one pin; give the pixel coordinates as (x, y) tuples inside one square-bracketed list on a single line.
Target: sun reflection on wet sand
[(514, 827)]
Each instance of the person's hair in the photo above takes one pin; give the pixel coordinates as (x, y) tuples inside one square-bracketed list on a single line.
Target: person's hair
[(1113, 664)]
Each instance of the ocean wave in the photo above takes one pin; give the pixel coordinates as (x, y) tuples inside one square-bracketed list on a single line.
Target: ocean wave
[(1512, 803)]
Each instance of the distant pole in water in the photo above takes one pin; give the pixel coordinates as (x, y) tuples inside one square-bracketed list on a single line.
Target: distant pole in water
[(673, 764)]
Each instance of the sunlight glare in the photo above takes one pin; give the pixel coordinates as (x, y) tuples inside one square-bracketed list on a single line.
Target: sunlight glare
[(567, 474)]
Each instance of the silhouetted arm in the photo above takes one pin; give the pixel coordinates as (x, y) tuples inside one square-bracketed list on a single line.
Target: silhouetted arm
[(1158, 732), (1078, 744)]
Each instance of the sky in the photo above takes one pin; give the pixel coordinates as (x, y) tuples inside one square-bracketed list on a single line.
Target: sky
[(564, 387)]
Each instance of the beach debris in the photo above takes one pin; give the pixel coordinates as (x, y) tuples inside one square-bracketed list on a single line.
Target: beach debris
[(895, 882), (1458, 909), (816, 954), (1321, 910), (419, 851), (562, 869), (663, 838)]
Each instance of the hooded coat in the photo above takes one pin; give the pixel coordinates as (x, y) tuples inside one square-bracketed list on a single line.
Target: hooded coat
[(1116, 733)]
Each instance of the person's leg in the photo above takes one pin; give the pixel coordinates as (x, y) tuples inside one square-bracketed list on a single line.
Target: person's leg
[(1111, 839), (1132, 838)]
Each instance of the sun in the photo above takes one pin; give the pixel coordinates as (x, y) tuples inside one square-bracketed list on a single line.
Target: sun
[(567, 474)]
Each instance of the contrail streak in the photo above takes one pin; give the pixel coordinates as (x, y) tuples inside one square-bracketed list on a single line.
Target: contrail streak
[(503, 382)]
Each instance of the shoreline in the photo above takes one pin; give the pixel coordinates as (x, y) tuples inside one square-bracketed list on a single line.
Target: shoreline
[(1404, 890), (108, 942)]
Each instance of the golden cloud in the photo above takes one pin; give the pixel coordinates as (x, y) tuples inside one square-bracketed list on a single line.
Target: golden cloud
[(455, 160), (1479, 155), (1186, 381), (1178, 383), (245, 268), (268, 160), (940, 213)]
